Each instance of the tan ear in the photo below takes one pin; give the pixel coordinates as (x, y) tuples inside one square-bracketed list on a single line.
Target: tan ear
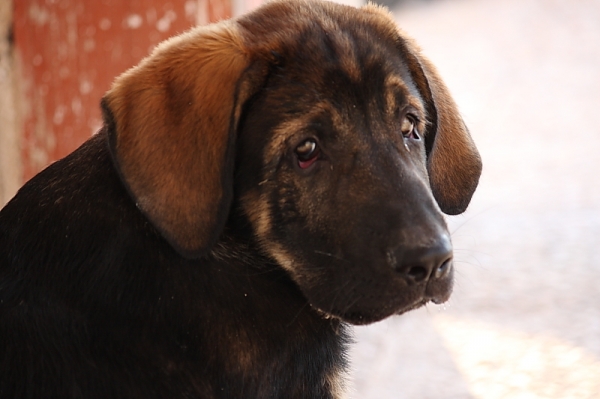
[(172, 122), (453, 162)]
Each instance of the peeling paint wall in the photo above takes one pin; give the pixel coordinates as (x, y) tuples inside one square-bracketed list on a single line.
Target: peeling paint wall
[(10, 161), (69, 51)]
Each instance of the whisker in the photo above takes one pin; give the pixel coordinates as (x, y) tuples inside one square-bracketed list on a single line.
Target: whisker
[(454, 230), (331, 255)]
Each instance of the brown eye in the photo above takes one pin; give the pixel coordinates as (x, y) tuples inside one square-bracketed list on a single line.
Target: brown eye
[(307, 153), (408, 128)]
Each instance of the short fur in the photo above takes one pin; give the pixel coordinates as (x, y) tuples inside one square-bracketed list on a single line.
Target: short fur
[(184, 251)]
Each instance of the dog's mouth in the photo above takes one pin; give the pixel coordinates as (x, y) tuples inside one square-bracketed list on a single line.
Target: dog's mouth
[(437, 300), (369, 297), (374, 301)]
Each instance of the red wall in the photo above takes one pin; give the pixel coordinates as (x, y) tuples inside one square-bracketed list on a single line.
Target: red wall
[(68, 53)]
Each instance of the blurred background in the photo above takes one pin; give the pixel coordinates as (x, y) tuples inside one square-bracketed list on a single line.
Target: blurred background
[(524, 319)]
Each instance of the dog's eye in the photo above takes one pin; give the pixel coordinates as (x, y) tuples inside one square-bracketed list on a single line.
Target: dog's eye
[(307, 153), (409, 128)]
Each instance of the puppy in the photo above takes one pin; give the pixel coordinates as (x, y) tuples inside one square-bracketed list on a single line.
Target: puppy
[(258, 185)]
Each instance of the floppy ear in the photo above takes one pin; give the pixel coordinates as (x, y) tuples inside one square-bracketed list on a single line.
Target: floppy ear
[(172, 122), (453, 162)]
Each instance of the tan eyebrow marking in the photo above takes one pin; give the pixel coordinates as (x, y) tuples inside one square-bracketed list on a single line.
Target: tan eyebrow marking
[(393, 83)]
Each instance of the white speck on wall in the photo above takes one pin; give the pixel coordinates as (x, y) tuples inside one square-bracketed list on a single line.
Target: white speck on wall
[(72, 32), (105, 24), (191, 9), (39, 15), (85, 87), (134, 21), (76, 106), (164, 24), (89, 45), (59, 115)]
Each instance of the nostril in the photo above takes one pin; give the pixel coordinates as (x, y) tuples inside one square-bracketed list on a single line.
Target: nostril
[(418, 273), (419, 264), (443, 269)]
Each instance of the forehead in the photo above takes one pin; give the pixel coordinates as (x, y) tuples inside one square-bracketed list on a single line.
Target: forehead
[(351, 64), (346, 75)]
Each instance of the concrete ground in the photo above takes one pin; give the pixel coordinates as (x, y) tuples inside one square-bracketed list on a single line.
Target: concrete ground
[(524, 320)]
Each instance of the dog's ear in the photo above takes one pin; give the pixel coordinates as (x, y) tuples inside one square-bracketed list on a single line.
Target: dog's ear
[(453, 162), (172, 122)]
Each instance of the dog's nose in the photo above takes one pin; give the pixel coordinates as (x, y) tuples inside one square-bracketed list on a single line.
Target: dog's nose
[(424, 263)]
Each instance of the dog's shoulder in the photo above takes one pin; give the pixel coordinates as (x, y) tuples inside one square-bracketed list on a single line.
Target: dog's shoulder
[(68, 210)]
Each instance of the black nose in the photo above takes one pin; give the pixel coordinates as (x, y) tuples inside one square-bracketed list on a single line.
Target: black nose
[(424, 263)]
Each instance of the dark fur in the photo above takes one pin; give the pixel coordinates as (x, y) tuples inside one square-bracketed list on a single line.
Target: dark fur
[(102, 296)]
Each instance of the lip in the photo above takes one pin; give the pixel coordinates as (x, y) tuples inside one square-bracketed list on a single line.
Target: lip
[(439, 290), (416, 305), (442, 294), (436, 291), (438, 300)]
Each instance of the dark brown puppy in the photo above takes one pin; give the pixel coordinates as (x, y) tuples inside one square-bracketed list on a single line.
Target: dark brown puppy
[(258, 184)]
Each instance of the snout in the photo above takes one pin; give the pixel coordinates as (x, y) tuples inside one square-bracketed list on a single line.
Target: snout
[(372, 288), (389, 258)]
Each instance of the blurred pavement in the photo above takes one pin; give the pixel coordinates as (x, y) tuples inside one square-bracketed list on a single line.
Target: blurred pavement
[(524, 319)]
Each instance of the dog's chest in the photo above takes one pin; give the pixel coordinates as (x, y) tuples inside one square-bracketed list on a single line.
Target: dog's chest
[(235, 331)]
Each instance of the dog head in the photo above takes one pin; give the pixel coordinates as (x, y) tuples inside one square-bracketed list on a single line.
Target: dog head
[(326, 128)]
